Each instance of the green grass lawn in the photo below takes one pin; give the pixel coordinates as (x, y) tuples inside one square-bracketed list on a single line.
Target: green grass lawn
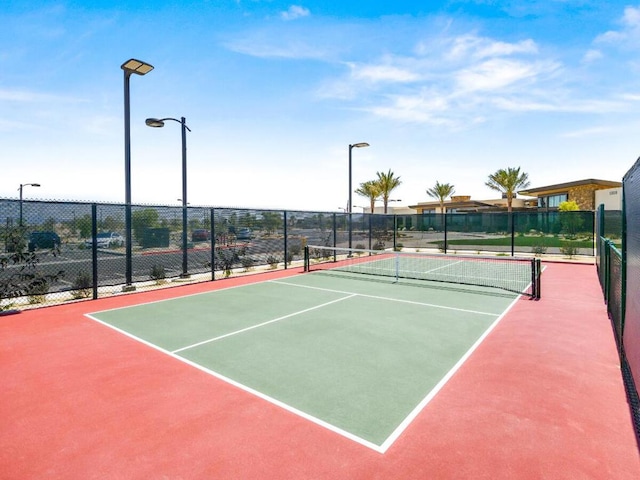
[(526, 241)]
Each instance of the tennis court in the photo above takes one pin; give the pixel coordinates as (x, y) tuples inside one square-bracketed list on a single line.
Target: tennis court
[(359, 356), (327, 374)]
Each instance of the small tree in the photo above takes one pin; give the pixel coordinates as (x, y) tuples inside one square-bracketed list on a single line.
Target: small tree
[(441, 191), (143, 219), (570, 218), (387, 182), (508, 181), (370, 190)]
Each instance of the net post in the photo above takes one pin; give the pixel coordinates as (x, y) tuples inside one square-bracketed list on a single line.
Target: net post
[(397, 266), (538, 278)]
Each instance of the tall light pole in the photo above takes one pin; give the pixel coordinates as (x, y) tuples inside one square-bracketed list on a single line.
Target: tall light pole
[(129, 67), (22, 185), (159, 123), (350, 206)]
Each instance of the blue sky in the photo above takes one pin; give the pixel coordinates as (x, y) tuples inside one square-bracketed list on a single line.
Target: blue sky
[(274, 92)]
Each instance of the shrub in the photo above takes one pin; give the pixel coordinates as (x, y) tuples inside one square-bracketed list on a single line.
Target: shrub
[(273, 261), (247, 263), (158, 273), (38, 289), (569, 249), (82, 286), (540, 247), (379, 245)]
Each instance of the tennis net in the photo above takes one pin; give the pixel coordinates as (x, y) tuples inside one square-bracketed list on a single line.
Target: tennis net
[(519, 275)]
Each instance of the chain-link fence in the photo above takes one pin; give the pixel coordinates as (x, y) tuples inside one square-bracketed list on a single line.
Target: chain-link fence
[(618, 263), (538, 233), (58, 251)]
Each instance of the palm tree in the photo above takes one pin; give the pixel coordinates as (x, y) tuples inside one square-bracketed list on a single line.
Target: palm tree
[(441, 191), (370, 190), (508, 181), (387, 183)]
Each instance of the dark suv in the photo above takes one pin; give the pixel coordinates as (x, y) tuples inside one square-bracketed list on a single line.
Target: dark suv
[(43, 240)]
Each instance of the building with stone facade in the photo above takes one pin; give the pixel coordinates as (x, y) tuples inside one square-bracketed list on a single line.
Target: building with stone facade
[(583, 192)]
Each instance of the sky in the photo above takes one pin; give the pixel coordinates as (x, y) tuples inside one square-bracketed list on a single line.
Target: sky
[(274, 93)]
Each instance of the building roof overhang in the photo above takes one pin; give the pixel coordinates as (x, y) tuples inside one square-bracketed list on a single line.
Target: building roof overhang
[(534, 192)]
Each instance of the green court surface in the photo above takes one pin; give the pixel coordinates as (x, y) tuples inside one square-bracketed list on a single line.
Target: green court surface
[(361, 358)]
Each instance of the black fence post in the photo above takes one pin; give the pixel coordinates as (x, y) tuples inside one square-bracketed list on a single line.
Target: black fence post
[(512, 220), (286, 250), (94, 249), (445, 231), (335, 231), (395, 230), (212, 258)]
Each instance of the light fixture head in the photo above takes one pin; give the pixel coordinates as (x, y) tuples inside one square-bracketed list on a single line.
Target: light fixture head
[(154, 122), (136, 66), (360, 145)]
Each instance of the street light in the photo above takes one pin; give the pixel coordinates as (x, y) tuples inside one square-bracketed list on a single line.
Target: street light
[(22, 185), (350, 206), (159, 123), (129, 67)]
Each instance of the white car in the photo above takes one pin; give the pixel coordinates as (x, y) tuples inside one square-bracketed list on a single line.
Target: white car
[(106, 240)]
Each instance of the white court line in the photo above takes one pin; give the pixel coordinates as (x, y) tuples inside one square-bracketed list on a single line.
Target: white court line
[(366, 443), (434, 391), (376, 297), (444, 266), (300, 312)]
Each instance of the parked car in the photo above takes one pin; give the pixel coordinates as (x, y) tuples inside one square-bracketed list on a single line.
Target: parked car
[(200, 235), (43, 239), (244, 234), (106, 240)]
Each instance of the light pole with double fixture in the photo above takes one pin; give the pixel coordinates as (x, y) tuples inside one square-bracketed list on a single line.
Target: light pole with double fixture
[(159, 123)]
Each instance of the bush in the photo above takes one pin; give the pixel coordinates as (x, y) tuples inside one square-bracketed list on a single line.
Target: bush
[(38, 289), (569, 249), (82, 285), (540, 247), (158, 273), (247, 263), (273, 261)]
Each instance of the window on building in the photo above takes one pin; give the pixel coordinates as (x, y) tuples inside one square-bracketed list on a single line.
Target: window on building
[(552, 201)]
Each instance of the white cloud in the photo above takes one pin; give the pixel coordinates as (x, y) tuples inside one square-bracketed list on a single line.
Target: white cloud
[(592, 55), (472, 46), (382, 73), (629, 33), (497, 74), (256, 46), (27, 96), (588, 132), (294, 12)]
